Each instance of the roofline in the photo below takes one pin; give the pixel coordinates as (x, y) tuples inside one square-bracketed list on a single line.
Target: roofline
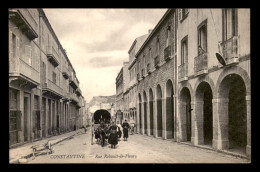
[(132, 46), (42, 14), (153, 31)]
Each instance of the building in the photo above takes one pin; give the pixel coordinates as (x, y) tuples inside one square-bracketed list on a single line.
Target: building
[(119, 96), (218, 94), (132, 88), (156, 75), (44, 91), (185, 92)]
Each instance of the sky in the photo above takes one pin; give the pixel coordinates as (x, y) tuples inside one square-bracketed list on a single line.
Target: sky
[(97, 42)]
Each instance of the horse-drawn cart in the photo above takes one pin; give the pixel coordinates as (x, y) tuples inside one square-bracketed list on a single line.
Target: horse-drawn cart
[(100, 125)]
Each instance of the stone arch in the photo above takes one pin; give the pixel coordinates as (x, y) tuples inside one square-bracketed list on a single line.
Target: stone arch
[(233, 109), (208, 80), (234, 70), (188, 86), (151, 105), (159, 97), (203, 114), (169, 109), (185, 114)]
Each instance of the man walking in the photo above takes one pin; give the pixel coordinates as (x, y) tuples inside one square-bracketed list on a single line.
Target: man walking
[(125, 130)]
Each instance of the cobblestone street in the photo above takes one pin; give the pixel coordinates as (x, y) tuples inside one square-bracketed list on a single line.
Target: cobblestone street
[(138, 149)]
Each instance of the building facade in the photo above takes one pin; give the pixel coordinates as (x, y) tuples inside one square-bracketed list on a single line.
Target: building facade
[(119, 96), (43, 88), (218, 94), (193, 79)]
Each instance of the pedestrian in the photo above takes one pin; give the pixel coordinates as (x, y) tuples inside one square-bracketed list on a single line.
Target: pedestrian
[(119, 130), (112, 139), (125, 130)]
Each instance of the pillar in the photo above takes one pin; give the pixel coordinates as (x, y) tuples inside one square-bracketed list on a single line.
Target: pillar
[(220, 123), (20, 106), (164, 129), (182, 136), (148, 117), (197, 137), (41, 114), (138, 118), (142, 117), (31, 117), (155, 132), (248, 108)]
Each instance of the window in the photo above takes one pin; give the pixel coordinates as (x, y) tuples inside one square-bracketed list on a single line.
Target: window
[(202, 38), (183, 12), (168, 36), (229, 23), (144, 60), (184, 50), (54, 77), (157, 47), (28, 54)]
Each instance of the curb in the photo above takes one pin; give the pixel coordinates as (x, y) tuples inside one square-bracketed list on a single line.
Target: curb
[(17, 160)]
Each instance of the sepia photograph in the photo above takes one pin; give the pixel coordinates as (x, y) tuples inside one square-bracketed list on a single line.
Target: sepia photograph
[(129, 85)]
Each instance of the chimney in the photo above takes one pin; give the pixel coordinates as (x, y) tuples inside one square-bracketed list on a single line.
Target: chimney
[(150, 30)]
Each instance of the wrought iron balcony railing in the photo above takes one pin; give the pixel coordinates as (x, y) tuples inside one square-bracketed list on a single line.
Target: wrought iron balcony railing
[(201, 64), (230, 49), (52, 56)]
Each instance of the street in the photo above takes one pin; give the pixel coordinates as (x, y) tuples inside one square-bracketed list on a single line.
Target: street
[(138, 149)]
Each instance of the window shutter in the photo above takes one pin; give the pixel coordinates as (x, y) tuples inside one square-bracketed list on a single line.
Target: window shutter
[(19, 121), (17, 47), (28, 54), (180, 14), (10, 44)]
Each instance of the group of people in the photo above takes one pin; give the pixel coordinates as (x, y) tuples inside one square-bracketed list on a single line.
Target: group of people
[(113, 133)]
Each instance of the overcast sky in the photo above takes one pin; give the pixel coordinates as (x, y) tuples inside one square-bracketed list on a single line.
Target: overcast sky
[(97, 42)]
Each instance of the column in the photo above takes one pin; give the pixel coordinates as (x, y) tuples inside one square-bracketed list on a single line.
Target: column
[(31, 117), (155, 132), (138, 118), (148, 117), (220, 123), (164, 129), (197, 137), (142, 117), (41, 113), (182, 133), (51, 121), (20, 106), (248, 108), (47, 117)]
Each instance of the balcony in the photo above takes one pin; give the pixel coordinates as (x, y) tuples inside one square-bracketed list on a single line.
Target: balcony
[(148, 69), (143, 73), (52, 56), (25, 22), (52, 90), (78, 92), (201, 64), (23, 72), (66, 96), (183, 72), (156, 62), (74, 97), (73, 82), (167, 53), (230, 50), (65, 72)]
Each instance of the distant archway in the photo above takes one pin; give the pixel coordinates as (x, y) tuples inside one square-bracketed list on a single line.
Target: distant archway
[(101, 115)]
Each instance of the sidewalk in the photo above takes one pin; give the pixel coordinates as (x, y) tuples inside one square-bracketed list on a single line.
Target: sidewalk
[(25, 151)]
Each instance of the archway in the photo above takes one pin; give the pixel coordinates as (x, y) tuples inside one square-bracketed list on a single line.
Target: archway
[(204, 114), (151, 110), (185, 114), (101, 115), (169, 110), (233, 88), (145, 112), (140, 113), (159, 110)]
